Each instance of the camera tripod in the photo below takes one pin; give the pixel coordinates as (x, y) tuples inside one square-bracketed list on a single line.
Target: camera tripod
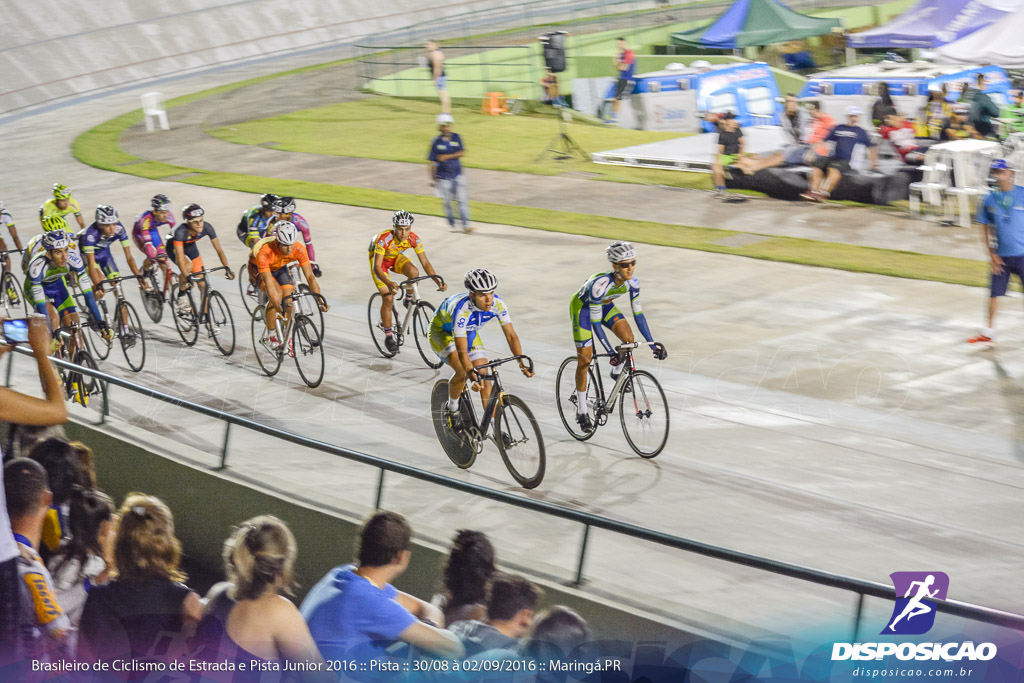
[(562, 146)]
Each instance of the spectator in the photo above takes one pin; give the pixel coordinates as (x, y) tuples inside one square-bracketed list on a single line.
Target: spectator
[(821, 125), (22, 409), (86, 559), (42, 625), (354, 611), (729, 149), (85, 471), (20, 438), (900, 133), (828, 170), (435, 63), (145, 611), (956, 126), (446, 171), (883, 106), (982, 110), (796, 123), (1015, 111), (625, 68), (248, 619), (467, 575), (551, 92), (510, 607), (935, 111), (60, 460), (558, 633), (1001, 216)]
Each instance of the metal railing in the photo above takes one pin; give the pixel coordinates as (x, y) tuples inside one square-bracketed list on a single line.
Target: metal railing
[(860, 587)]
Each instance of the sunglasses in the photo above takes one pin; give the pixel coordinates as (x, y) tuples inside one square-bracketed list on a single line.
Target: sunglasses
[(626, 264)]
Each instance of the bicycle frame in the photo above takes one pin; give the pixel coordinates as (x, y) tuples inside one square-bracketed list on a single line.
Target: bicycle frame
[(410, 289), (606, 406), (204, 298), (289, 327), (496, 393)]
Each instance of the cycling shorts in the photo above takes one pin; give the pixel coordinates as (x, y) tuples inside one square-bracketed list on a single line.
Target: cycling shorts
[(56, 292), (395, 265), (582, 328), (443, 344), (156, 249), (105, 260)]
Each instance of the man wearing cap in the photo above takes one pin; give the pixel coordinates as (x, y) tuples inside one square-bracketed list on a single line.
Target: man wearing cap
[(956, 126), (446, 171), (828, 170), (1002, 232)]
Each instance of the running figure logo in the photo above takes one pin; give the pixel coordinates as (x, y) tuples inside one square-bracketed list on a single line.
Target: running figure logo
[(913, 613)]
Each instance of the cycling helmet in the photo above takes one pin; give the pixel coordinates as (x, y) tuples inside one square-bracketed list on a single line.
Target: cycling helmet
[(52, 223), (620, 251), (284, 205), (402, 218), (192, 211), (267, 200), (286, 233), (61, 191), (480, 280), (160, 202), (106, 215), (56, 239)]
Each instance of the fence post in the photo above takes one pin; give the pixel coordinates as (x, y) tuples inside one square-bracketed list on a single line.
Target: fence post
[(856, 619), (583, 553), (10, 367), (380, 490), (224, 448), (105, 405)]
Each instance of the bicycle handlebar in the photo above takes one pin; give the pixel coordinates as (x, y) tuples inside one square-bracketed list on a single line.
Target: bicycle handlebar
[(628, 347), (12, 251), (411, 280), (502, 361), (296, 294), (198, 275), (113, 280)]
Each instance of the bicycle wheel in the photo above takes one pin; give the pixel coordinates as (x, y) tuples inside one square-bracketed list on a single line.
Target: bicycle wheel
[(421, 318), (15, 305), (308, 307), (565, 398), (267, 356), (88, 387), (220, 323), (131, 335), (249, 300), (100, 345), (643, 410), (376, 325), (153, 298), (458, 447), (520, 442), (183, 310), (308, 351)]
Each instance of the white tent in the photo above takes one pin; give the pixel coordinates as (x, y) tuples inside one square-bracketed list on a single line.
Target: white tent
[(999, 43)]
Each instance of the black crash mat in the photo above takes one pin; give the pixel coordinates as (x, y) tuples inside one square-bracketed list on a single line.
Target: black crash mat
[(789, 182)]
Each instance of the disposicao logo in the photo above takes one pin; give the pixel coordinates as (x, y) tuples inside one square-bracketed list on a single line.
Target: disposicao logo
[(914, 613)]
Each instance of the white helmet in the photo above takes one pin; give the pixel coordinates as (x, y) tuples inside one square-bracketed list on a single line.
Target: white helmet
[(620, 251), (56, 239), (106, 214), (480, 280), (286, 233)]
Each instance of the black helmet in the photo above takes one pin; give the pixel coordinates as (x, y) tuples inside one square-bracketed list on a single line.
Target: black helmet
[(267, 200), (160, 202), (192, 211)]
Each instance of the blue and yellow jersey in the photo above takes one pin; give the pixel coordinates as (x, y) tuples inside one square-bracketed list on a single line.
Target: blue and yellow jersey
[(458, 316)]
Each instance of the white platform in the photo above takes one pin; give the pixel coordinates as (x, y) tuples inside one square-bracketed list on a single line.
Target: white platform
[(690, 153)]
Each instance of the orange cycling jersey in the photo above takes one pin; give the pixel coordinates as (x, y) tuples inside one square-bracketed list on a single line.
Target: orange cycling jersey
[(269, 258), (386, 244)]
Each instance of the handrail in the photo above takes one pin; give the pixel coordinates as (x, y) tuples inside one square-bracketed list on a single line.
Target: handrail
[(860, 586)]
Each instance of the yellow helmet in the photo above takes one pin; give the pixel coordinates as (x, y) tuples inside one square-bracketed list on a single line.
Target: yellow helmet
[(51, 223), (61, 191)]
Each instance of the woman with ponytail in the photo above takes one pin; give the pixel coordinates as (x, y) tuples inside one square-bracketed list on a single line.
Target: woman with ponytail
[(248, 618), (467, 575)]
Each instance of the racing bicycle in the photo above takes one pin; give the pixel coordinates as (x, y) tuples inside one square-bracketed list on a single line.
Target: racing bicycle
[(78, 387), (643, 408), (297, 338), (160, 277), (516, 432), (306, 304), (12, 298), (127, 325), (418, 314), (212, 311)]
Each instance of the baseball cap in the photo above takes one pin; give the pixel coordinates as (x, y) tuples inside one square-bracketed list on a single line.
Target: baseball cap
[(445, 118), (1000, 165), (853, 111)]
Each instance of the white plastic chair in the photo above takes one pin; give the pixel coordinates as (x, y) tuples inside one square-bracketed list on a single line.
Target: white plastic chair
[(153, 108), (932, 187), (973, 187)]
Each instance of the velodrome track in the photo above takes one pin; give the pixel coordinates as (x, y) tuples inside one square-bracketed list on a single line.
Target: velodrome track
[(824, 418)]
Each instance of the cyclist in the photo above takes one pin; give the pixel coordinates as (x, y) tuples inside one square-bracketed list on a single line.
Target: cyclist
[(255, 221), (61, 204), (183, 241), (386, 254), (46, 283), (6, 219), (455, 338), (284, 207), (268, 266), (147, 228), (591, 310), (94, 242)]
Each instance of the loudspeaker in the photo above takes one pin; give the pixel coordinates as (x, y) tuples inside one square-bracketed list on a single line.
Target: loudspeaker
[(554, 50)]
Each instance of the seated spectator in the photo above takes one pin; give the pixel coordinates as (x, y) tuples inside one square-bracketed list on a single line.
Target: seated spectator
[(729, 149), (248, 619), (558, 633), (956, 126), (510, 607), (883, 106), (354, 611), (145, 611), (935, 111), (86, 559), (900, 133), (795, 124), (467, 574), (21, 437), (85, 472), (42, 625), (821, 125), (60, 460), (828, 170), (982, 110)]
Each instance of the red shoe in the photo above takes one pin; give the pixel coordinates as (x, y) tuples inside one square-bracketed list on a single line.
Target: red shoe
[(980, 338)]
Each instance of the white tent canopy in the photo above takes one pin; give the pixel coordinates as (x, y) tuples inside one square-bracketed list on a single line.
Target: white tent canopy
[(999, 43)]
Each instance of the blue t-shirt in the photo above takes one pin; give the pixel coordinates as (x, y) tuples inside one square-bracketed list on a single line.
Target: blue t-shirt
[(1005, 210), (449, 168), (847, 138), (344, 611)]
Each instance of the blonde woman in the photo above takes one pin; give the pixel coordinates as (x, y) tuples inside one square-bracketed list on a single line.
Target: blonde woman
[(146, 612), (248, 619)]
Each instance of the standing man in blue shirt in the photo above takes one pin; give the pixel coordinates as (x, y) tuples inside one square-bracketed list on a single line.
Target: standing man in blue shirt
[(1002, 232), (446, 171), (827, 170), (625, 65)]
